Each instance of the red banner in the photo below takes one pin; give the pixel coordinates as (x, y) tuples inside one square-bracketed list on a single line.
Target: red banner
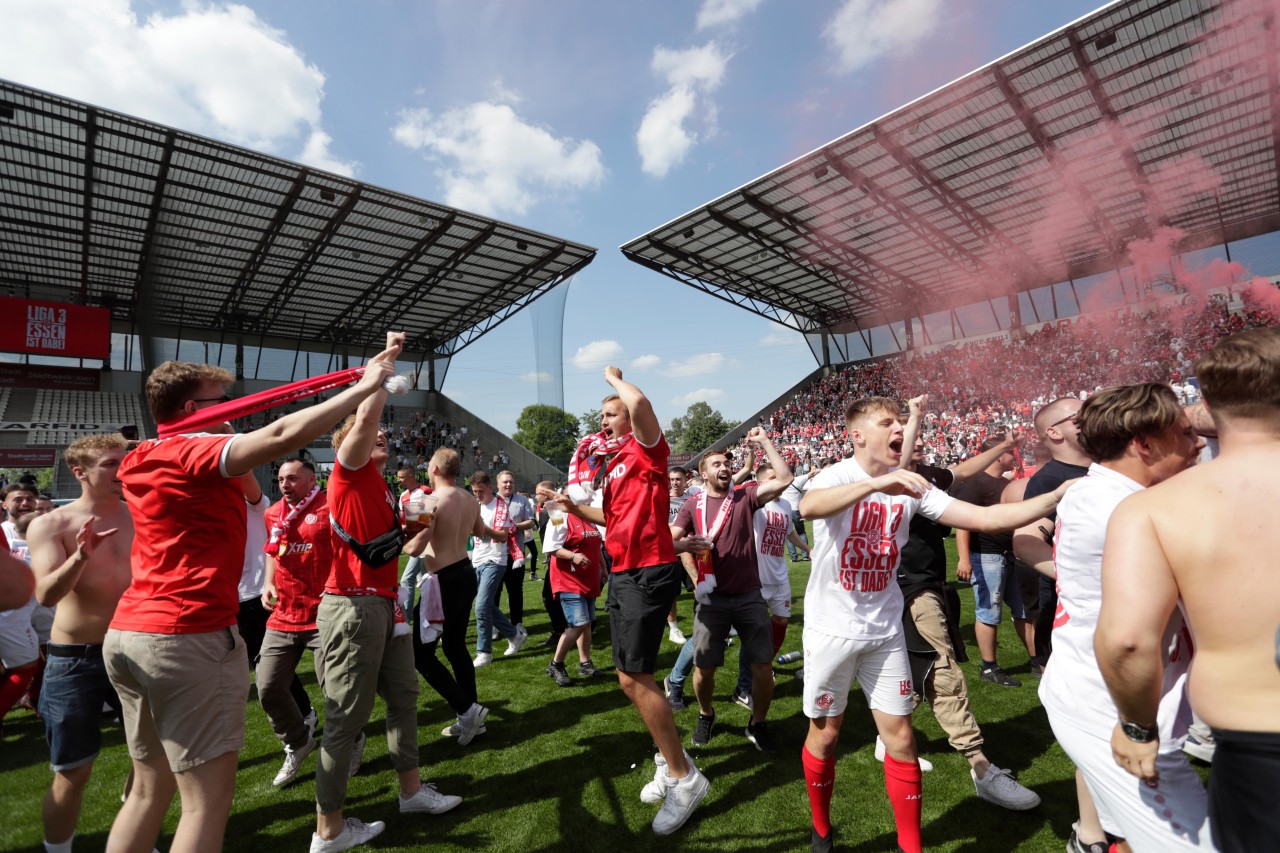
[(43, 376), (54, 328), (32, 457)]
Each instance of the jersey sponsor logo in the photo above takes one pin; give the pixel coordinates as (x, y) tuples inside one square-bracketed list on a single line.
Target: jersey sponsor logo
[(869, 556), (295, 548), (825, 701), (618, 471)]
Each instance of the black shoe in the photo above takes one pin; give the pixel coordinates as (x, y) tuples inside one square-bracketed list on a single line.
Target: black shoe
[(823, 843), (551, 642), (996, 675), (1036, 669), (702, 731), (556, 671), (533, 576), (587, 669), (675, 695), (758, 733)]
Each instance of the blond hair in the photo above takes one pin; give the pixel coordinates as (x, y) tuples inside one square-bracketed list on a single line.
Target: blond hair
[(340, 434), (870, 405), (446, 461), (87, 448), (173, 382)]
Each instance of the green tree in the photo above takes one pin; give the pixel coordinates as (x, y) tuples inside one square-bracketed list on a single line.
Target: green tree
[(589, 421), (698, 429), (548, 432)]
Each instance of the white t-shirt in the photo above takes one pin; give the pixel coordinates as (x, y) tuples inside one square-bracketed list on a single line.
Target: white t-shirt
[(254, 573), (487, 551), (1072, 686), (792, 493), (772, 523), (10, 529), (853, 592)]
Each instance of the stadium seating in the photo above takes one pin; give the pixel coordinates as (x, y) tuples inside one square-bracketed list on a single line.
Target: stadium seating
[(80, 407)]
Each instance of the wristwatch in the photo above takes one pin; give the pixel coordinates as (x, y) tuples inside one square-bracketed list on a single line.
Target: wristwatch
[(1137, 733)]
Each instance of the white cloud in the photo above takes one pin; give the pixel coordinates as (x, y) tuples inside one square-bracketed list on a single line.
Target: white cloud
[(685, 113), (862, 31), (216, 69), (702, 395), (696, 365), (777, 339), (536, 376), (715, 13), (596, 353), (645, 362), (492, 161)]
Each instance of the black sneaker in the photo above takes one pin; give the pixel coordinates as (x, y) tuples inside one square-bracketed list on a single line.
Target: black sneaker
[(675, 695), (996, 675), (702, 731), (823, 843), (587, 669), (758, 733), (556, 671)]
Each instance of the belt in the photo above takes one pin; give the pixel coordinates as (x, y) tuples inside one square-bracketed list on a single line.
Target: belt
[(75, 650)]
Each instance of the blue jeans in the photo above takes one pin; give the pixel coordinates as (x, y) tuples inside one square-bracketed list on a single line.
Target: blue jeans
[(744, 670), (684, 666), (993, 583), (412, 571), (488, 616), (798, 521)]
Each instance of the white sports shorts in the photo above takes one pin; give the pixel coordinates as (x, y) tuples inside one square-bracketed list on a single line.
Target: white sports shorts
[(19, 644), (831, 664), (1174, 815), (778, 597)]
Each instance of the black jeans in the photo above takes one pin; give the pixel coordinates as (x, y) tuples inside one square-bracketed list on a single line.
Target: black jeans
[(251, 622), (457, 595), (552, 604), (513, 582), (1044, 621)]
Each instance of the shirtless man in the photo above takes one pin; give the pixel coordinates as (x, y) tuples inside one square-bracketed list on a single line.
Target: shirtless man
[(1208, 538), (80, 556), (456, 516)]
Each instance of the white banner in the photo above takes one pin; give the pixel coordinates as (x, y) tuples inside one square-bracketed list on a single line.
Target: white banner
[(27, 426)]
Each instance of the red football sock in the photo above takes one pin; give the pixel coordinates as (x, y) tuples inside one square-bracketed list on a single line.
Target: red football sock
[(13, 686), (820, 776), (779, 634), (902, 784)]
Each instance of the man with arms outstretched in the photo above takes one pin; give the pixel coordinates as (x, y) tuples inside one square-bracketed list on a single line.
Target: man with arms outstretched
[(862, 508), (172, 651), (646, 578), (1208, 538), (80, 554)]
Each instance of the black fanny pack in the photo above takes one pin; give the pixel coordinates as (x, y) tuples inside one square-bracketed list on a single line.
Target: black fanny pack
[(377, 552)]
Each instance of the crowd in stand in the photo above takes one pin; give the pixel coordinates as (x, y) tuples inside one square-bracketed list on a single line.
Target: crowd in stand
[(978, 388)]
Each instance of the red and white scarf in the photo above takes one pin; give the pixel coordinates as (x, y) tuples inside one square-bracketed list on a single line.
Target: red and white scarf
[(276, 547), (501, 522), (270, 399), (592, 452), (706, 582)]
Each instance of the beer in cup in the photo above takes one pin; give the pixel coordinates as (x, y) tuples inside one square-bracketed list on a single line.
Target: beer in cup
[(413, 508)]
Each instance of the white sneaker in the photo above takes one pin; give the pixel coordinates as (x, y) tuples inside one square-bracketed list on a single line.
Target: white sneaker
[(493, 634), (357, 758), (471, 723), (999, 787), (429, 801), (926, 766), (293, 759), (655, 791), (354, 833), (517, 642), (675, 635), (683, 796), (482, 659), (455, 730)]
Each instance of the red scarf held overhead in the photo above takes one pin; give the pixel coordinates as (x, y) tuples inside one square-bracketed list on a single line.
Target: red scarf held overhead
[(500, 522)]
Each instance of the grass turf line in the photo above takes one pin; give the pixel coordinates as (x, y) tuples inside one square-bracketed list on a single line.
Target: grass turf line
[(555, 770)]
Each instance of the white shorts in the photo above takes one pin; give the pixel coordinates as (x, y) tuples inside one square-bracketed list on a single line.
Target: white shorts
[(19, 644), (778, 597), (1174, 815), (42, 622), (831, 664)]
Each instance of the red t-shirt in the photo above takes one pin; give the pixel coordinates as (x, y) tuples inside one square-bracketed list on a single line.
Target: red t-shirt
[(581, 537), (188, 537), (362, 503), (637, 504), (303, 568), (733, 553)]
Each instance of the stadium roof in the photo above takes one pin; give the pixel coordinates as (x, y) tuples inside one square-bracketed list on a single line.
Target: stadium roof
[(182, 235), (1039, 167)]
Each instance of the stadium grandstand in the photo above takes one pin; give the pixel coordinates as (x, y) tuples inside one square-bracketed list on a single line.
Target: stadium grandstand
[(1093, 201), (126, 243)]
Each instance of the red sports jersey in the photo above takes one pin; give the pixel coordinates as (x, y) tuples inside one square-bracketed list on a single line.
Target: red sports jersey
[(580, 537), (188, 537), (637, 503), (303, 567), (364, 506)]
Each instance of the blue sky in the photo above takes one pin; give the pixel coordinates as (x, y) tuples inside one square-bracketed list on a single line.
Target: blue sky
[(594, 121)]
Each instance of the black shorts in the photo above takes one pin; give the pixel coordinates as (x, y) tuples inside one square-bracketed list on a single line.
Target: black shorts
[(639, 601), (1242, 789), (747, 612)]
